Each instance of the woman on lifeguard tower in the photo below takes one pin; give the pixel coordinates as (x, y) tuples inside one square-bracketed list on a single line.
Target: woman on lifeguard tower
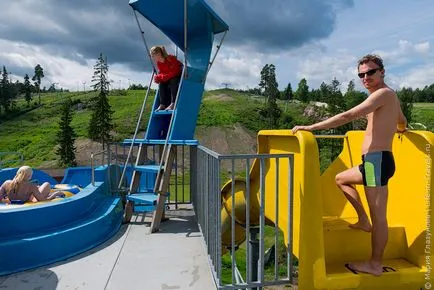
[(168, 76)]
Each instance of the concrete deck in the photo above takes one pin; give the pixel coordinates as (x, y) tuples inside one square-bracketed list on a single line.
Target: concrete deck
[(173, 258)]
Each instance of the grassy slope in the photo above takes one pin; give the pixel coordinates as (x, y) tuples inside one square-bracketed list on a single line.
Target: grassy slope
[(424, 113), (34, 133)]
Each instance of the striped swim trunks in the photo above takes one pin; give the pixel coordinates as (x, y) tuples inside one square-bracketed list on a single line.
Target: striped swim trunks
[(377, 168)]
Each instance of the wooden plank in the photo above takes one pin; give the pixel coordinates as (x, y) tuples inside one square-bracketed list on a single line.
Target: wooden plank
[(163, 187)]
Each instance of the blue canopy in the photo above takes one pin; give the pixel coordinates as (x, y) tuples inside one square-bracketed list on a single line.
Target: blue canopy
[(168, 16)]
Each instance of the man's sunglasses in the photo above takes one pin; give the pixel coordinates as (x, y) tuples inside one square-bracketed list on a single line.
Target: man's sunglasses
[(369, 73)]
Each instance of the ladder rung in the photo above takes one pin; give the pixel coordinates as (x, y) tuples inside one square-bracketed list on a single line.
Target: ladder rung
[(143, 198), (148, 168), (163, 112), (160, 142)]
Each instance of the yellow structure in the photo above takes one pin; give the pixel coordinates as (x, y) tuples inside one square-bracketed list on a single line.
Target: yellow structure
[(321, 238)]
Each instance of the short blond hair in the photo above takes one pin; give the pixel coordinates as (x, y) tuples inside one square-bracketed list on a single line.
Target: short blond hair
[(159, 50)]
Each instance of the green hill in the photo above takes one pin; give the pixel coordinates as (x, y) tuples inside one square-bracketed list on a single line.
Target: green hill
[(34, 132)]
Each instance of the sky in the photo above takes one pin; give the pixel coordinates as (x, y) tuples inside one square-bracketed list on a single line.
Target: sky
[(313, 39)]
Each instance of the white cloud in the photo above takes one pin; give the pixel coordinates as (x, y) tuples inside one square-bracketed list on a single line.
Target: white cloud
[(236, 66), (417, 77), (66, 73), (405, 52), (422, 47), (324, 68)]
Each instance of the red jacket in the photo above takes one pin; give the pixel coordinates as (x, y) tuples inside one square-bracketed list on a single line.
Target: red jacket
[(172, 67)]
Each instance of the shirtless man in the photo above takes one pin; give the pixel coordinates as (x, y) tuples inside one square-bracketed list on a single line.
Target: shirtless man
[(383, 111)]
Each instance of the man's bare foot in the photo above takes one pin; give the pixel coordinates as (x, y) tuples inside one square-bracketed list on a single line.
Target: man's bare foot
[(160, 108), (367, 267), (172, 105), (361, 225)]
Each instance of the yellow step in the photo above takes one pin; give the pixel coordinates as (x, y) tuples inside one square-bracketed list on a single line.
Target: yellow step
[(343, 244), (397, 274)]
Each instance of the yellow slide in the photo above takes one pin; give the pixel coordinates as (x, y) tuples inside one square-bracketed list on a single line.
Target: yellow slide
[(321, 238)]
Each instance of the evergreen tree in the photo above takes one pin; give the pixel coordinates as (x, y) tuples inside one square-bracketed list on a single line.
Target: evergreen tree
[(325, 93), (27, 90), (37, 77), (100, 123), (5, 97), (406, 97), (66, 136), (336, 100), (352, 99), (302, 92), (287, 95), (270, 89)]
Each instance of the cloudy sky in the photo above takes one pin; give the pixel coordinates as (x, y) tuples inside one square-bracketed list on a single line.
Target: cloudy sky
[(314, 39)]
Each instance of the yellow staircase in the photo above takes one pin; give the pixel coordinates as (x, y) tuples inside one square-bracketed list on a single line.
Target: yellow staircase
[(321, 238)]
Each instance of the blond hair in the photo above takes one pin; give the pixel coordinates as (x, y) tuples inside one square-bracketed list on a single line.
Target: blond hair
[(159, 50), (24, 174)]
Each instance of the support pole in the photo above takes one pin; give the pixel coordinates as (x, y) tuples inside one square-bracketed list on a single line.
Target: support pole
[(185, 38), (254, 256), (142, 33)]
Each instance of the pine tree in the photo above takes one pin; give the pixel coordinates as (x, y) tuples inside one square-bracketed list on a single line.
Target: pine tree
[(270, 89), (37, 77), (406, 96), (302, 92), (352, 99), (288, 95), (100, 123), (5, 97), (27, 89), (66, 136)]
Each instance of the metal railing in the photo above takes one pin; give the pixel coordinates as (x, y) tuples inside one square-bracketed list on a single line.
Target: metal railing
[(263, 193), (116, 154), (92, 163)]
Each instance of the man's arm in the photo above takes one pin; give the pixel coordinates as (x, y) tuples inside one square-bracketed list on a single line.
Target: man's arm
[(372, 103)]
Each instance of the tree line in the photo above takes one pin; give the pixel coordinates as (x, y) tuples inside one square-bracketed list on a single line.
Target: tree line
[(10, 90), (328, 93)]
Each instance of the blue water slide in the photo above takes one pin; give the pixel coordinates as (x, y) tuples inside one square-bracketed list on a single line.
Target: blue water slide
[(34, 235)]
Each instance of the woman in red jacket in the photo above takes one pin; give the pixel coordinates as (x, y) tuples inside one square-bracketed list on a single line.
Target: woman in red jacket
[(168, 77)]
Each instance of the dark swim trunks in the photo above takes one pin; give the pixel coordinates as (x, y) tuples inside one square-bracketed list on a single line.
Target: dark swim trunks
[(377, 168)]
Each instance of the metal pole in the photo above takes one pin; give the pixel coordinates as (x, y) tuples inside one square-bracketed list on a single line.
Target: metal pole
[(185, 38), (142, 33), (248, 254), (215, 55), (93, 172), (253, 255), (136, 131)]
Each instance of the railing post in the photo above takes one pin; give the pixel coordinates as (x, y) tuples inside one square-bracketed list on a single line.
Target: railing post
[(193, 174), (253, 255), (92, 169)]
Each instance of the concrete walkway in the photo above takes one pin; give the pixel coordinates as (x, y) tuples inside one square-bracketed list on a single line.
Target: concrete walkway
[(173, 258)]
